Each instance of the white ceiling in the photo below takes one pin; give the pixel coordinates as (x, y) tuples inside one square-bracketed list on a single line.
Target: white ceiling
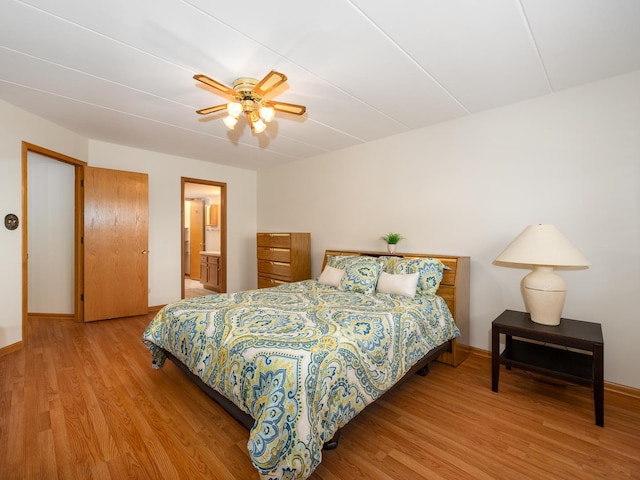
[(121, 71)]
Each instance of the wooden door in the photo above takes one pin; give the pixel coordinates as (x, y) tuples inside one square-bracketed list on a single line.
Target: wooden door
[(196, 236), (115, 244)]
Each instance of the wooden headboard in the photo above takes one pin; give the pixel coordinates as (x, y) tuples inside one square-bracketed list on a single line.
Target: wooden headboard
[(454, 288)]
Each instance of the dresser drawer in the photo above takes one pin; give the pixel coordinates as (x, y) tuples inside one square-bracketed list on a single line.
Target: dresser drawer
[(274, 240), (264, 282), (274, 254), (274, 269)]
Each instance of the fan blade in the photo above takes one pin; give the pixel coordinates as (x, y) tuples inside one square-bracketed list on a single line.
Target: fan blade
[(271, 80), (287, 107), (217, 108), (217, 85)]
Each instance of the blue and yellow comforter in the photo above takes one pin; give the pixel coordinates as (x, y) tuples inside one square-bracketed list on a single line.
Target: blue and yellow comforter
[(302, 359)]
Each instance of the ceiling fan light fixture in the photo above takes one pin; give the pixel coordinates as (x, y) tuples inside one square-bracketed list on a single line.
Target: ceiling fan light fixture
[(230, 122), (267, 113), (248, 105), (256, 122), (234, 109), (259, 126), (248, 97)]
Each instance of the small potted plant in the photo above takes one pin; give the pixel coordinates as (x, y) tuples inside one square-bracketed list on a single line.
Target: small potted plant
[(392, 240)]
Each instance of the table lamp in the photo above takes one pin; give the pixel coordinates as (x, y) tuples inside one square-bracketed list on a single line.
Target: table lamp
[(543, 248)]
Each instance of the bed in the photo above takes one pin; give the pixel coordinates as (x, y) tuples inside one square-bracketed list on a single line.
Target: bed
[(296, 362)]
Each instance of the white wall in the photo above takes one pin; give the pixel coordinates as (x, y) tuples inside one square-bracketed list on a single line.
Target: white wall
[(165, 203), (17, 126), (469, 186)]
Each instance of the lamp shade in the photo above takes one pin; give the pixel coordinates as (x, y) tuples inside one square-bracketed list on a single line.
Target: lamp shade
[(267, 113), (234, 109), (230, 121), (543, 245)]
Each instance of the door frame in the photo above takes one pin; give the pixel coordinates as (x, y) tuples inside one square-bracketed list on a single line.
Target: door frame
[(78, 310), (223, 230)]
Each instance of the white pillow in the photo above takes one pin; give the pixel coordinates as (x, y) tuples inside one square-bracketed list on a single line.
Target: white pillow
[(331, 276), (401, 284)]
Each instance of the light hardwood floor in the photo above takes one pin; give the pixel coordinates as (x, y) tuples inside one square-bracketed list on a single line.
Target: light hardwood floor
[(81, 401)]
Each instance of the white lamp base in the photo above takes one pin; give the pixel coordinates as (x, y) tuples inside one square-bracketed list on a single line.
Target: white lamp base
[(544, 292)]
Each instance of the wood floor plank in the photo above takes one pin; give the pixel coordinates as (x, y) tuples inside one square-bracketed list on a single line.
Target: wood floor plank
[(82, 401)]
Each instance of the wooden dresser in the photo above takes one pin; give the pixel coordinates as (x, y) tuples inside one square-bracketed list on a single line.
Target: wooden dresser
[(283, 258)]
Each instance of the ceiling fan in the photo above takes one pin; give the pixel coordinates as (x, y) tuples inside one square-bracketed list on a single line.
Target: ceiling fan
[(248, 98)]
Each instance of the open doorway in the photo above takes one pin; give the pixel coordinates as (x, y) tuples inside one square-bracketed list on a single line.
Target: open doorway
[(52, 231), (203, 230)]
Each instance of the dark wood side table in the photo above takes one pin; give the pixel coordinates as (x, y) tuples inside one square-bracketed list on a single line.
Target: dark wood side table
[(578, 367)]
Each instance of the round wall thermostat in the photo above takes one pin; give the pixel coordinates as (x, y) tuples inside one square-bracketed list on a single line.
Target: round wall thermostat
[(11, 221)]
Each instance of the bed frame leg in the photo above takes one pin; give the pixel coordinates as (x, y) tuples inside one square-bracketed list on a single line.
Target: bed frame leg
[(424, 371), (333, 443)]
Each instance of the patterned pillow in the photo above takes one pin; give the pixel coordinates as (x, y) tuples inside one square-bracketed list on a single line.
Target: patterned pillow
[(361, 273), (384, 261), (430, 270), (341, 261)]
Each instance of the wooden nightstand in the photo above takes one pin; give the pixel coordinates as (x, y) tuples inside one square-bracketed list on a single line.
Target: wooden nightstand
[(578, 367)]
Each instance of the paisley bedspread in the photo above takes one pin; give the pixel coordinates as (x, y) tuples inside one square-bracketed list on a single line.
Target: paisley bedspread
[(302, 359)]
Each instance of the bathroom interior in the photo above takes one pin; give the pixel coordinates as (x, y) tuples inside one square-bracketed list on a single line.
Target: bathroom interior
[(201, 236)]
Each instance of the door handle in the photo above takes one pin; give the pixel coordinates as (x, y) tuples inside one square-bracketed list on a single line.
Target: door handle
[(144, 252)]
